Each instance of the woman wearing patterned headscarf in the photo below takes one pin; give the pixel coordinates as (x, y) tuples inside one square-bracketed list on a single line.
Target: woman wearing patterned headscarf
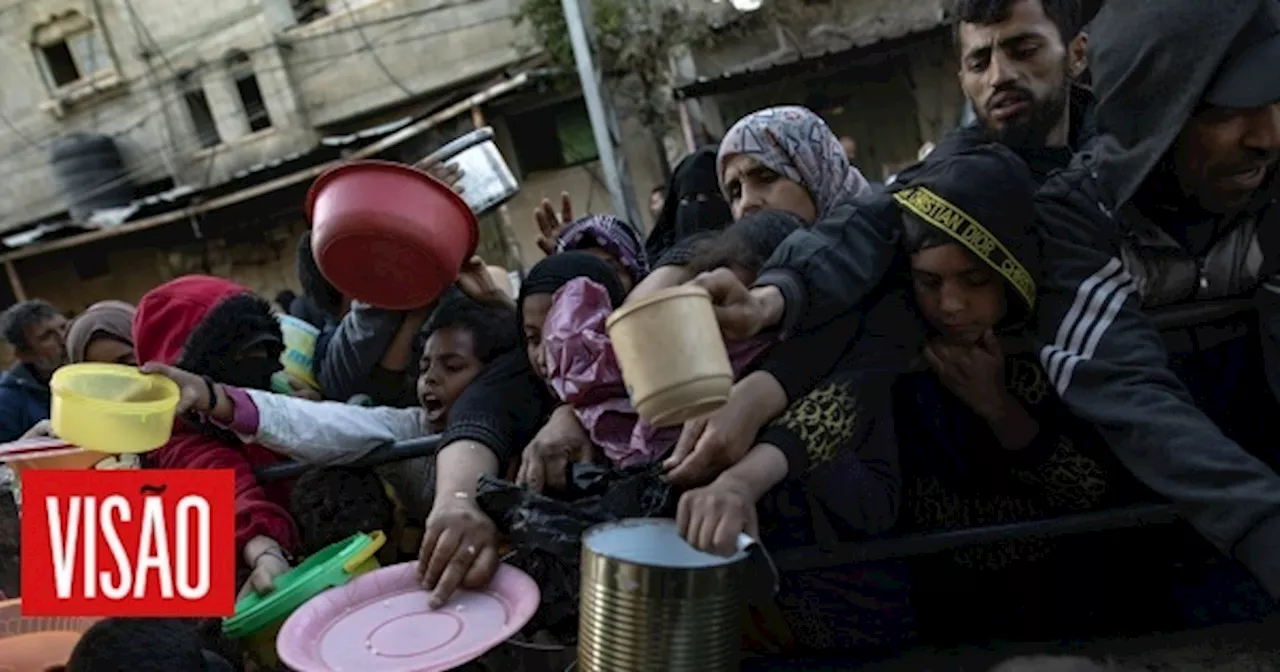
[(611, 239), (786, 158)]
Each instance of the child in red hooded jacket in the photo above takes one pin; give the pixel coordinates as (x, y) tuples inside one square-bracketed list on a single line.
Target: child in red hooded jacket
[(223, 332)]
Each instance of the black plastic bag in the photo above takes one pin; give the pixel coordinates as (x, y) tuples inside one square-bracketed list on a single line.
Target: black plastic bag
[(546, 532)]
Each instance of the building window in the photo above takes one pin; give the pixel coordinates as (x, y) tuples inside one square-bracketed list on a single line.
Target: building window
[(198, 109), (555, 137), (306, 11), (69, 50), (255, 108)]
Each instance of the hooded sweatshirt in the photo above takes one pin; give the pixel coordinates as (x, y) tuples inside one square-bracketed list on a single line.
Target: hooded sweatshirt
[(956, 473), (1120, 242), (167, 319)]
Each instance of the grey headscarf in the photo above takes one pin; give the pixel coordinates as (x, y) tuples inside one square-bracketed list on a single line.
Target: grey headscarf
[(797, 144)]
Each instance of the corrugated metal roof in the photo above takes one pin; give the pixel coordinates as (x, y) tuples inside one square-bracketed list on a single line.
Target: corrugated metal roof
[(826, 40), (326, 149)]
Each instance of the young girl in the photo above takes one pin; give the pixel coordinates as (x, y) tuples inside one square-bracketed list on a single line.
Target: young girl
[(984, 438)]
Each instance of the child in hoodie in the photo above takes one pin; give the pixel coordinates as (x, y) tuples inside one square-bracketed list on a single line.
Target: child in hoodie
[(984, 439)]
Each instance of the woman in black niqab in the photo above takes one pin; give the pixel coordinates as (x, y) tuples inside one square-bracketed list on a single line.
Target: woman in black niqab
[(693, 205)]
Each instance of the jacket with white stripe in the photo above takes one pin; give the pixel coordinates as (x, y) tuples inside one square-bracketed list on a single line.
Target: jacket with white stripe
[(1106, 271), (1121, 243)]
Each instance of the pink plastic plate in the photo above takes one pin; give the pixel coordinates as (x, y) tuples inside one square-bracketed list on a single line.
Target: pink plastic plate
[(380, 621)]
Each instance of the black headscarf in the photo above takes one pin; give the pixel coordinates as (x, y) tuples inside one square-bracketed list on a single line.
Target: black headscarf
[(557, 270), (982, 198), (232, 327), (693, 203)]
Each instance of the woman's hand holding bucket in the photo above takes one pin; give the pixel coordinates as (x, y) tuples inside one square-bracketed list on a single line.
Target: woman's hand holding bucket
[(712, 518), (197, 393)]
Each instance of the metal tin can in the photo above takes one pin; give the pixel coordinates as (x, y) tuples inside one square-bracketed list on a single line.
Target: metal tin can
[(652, 602)]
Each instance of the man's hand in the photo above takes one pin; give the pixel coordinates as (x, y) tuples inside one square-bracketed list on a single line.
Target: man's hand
[(546, 459), (549, 224), (741, 313), (459, 548), (974, 373)]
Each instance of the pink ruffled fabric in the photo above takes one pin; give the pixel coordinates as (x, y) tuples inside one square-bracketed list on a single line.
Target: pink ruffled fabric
[(584, 373)]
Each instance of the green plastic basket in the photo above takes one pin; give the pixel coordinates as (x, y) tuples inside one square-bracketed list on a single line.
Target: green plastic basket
[(333, 566)]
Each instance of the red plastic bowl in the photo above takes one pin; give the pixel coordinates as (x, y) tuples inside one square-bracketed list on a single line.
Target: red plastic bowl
[(389, 234)]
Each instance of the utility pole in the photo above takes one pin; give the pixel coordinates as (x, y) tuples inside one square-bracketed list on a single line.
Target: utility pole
[(604, 125)]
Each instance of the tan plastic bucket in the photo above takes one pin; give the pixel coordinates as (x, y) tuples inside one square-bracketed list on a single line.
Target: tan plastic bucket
[(672, 356)]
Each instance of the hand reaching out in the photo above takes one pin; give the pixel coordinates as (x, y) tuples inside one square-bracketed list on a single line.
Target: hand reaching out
[(549, 224), (559, 443), (193, 390), (459, 548), (40, 430), (449, 173), (741, 313)]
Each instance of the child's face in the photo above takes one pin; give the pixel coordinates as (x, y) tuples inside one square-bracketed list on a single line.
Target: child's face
[(960, 297), (448, 365), (533, 315)]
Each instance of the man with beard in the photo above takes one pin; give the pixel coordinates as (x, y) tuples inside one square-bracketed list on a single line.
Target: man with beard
[(1018, 62), (1175, 206), (37, 332)]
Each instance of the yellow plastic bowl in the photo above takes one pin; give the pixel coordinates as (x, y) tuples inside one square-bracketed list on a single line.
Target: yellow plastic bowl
[(110, 408)]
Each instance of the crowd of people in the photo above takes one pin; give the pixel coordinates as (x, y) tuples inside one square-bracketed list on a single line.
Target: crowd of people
[(974, 342)]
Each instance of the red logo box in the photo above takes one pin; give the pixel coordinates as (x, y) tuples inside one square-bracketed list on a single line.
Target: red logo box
[(142, 543)]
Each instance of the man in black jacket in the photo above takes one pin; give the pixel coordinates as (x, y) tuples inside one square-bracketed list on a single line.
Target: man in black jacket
[(1174, 203)]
